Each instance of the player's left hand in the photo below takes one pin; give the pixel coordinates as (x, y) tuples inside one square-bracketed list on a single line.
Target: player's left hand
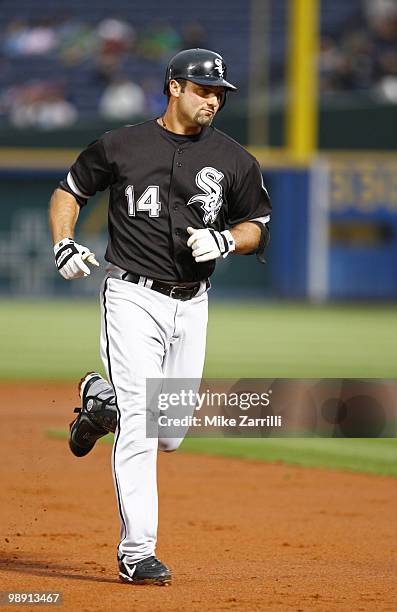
[(207, 244)]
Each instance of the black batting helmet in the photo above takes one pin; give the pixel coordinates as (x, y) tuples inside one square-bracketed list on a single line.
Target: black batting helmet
[(200, 66)]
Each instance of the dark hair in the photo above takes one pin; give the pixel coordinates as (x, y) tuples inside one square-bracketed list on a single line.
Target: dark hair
[(182, 83)]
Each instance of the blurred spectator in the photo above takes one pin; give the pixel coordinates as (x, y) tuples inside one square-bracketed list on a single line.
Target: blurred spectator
[(41, 38), (116, 40), (78, 41), (107, 65), (14, 37), (155, 100), (387, 81), (24, 39), (86, 51), (382, 16), (330, 62), (8, 97), (358, 51), (159, 41), (380, 10), (41, 105), (194, 35), (347, 64), (116, 36), (122, 100), (363, 58)]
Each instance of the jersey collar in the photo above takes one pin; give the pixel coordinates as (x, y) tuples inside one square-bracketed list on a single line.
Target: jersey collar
[(170, 136)]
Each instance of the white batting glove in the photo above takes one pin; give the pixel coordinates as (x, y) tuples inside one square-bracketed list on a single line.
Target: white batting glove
[(207, 244), (70, 259)]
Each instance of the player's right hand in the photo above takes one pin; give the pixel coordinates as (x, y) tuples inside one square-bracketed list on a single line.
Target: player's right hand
[(70, 259)]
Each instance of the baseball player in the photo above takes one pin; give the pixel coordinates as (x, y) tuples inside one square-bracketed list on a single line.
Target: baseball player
[(182, 195)]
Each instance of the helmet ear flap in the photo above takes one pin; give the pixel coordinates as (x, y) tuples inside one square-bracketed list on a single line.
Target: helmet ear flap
[(167, 79)]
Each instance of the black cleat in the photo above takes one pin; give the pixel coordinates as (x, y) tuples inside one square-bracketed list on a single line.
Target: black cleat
[(148, 571), (84, 431)]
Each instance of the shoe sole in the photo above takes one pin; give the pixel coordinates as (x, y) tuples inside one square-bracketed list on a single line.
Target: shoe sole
[(150, 581), (77, 450)]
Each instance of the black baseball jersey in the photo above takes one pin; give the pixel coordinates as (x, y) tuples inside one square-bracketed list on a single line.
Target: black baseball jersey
[(161, 183)]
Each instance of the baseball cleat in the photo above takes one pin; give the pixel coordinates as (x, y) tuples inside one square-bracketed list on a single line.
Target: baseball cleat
[(92, 421), (86, 378), (148, 571)]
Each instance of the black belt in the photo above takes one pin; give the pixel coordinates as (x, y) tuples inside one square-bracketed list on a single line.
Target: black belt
[(178, 292)]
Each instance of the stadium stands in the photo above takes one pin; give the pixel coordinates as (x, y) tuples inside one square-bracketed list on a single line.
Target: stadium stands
[(83, 72)]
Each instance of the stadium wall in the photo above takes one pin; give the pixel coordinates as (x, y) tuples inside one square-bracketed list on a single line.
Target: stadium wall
[(334, 228)]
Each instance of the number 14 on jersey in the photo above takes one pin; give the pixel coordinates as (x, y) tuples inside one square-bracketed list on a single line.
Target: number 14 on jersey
[(149, 201)]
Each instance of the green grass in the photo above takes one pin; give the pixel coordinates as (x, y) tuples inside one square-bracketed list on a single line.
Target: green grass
[(302, 341), (377, 456), (60, 339), (54, 340), (374, 456)]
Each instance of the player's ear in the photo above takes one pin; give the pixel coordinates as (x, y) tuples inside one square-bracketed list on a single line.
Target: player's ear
[(174, 88)]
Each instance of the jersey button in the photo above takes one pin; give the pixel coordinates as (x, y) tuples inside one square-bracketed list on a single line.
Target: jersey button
[(175, 207), (177, 232), (179, 151), (179, 164)]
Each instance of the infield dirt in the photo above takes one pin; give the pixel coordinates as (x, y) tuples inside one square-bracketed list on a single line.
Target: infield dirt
[(238, 535)]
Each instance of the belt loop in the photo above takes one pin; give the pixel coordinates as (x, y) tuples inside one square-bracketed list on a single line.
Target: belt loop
[(142, 281)]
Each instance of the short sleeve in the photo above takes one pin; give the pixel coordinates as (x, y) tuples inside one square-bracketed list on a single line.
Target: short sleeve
[(248, 197), (90, 173)]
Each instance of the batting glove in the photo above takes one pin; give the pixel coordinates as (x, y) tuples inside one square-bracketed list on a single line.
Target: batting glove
[(207, 244), (70, 259)]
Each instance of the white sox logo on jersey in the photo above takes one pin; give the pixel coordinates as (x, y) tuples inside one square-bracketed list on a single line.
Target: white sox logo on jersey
[(209, 179)]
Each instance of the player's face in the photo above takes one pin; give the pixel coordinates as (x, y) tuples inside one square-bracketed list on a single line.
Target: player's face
[(198, 104)]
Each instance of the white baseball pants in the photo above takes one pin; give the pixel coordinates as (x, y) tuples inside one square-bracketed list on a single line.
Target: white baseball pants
[(144, 334)]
